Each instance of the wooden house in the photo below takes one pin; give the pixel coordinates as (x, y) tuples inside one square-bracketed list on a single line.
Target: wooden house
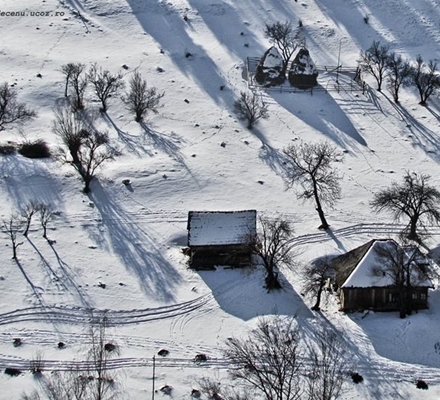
[(220, 238), (364, 280)]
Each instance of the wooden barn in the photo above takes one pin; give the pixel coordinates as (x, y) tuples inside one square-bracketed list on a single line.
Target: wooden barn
[(364, 282), (220, 238)]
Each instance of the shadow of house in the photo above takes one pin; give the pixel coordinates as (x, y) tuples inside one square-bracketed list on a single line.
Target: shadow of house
[(303, 73), (367, 277), (270, 69), (220, 238)]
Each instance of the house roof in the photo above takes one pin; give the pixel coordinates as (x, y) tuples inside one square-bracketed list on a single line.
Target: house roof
[(216, 228), (355, 268)]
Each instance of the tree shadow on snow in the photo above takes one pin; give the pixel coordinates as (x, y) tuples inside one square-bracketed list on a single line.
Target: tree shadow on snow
[(135, 144), (272, 157), (423, 137), (324, 114), (138, 250), (240, 292), (168, 28), (29, 180)]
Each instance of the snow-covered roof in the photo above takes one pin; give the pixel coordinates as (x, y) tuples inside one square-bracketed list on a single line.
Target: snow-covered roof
[(362, 276), (215, 228)]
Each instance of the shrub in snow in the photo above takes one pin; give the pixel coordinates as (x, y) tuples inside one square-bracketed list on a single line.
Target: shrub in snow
[(7, 149), (356, 377), (12, 371), (35, 149), (12, 112), (163, 352), (17, 342), (421, 385), (200, 358), (167, 389)]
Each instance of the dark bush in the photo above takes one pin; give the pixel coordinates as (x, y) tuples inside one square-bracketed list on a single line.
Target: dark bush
[(200, 358), (163, 352), (17, 342), (36, 149), (109, 347), (61, 345), (356, 377), (12, 371), (421, 385), (6, 149)]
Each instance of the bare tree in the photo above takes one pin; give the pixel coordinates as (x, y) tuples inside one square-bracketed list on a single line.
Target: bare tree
[(329, 367), (77, 80), (272, 245), (88, 148), (215, 390), (29, 210), (398, 264), (141, 99), (251, 108), (12, 112), (399, 72), (282, 35), (374, 62), (105, 84), (414, 199), (46, 215), (99, 355), (314, 277), (267, 362), (67, 71), (425, 78), (11, 227), (311, 166), (96, 382)]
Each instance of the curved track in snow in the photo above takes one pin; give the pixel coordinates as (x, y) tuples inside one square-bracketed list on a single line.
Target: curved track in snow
[(82, 315)]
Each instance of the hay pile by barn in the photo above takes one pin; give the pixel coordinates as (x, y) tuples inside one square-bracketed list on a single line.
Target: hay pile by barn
[(220, 238), (270, 70), (303, 73)]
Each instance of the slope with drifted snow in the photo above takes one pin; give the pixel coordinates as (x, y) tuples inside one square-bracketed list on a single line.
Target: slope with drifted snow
[(129, 238)]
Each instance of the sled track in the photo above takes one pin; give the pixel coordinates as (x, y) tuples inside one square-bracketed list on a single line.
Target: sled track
[(81, 316), (376, 370)]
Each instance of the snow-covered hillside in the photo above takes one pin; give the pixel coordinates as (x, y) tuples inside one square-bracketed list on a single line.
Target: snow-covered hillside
[(196, 155)]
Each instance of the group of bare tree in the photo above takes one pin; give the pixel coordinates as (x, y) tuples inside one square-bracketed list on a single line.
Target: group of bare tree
[(249, 106), (13, 112), (140, 99), (271, 363), (382, 64), (20, 222), (94, 380), (85, 147)]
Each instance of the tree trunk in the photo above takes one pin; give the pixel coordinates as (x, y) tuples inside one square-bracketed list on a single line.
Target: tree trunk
[(413, 229), (316, 307), (324, 223), (271, 279)]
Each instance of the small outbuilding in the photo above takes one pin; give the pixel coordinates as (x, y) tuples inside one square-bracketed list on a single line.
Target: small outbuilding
[(270, 70), (365, 277), (220, 238), (303, 73)]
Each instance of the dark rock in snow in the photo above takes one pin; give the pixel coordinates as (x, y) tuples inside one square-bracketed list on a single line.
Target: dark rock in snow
[(163, 352)]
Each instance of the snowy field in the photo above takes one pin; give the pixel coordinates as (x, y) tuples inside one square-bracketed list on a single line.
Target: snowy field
[(130, 238)]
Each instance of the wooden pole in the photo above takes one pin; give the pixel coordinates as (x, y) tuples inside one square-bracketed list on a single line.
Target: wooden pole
[(154, 375)]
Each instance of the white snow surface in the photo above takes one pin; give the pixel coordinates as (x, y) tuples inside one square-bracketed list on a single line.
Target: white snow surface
[(273, 59), (363, 275), (129, 237)]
